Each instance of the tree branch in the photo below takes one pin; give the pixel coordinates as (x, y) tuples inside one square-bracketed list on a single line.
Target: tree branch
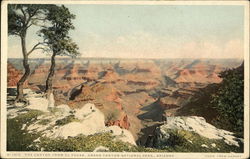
[(30, 16), (24, 15), (35, 47), (43, 19), (15, 33), (29, 25), (23, 12)]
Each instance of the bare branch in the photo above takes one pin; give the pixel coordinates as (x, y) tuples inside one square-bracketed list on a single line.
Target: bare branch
[(43, 19), (15, 33), (35, 47), (30, 16), (41, 48), (34, 13), (29, 25)]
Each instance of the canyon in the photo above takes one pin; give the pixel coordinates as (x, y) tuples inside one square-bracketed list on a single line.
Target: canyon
[(133, 94)]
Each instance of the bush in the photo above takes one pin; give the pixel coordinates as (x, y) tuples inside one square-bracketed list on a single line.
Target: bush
[(221, 104), (187, 141), (200, 104), (88, 144), (18, 139), (229, 100), (66, 120)]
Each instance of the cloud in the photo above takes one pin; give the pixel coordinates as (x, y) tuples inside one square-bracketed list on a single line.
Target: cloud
[(146, 45), (209, 49), (234, 48)]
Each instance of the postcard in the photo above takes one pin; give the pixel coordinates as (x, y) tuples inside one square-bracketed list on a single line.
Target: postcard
[(124, 79)]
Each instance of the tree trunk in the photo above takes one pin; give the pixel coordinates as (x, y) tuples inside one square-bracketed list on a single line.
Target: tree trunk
[(48, 88), (20, 95)]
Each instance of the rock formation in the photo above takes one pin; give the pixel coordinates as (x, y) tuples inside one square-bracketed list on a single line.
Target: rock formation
[(122, 122), (14, 75), (197, 125), (66, 122)]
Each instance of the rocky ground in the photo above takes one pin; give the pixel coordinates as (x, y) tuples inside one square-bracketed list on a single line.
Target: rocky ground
[(40, 124)]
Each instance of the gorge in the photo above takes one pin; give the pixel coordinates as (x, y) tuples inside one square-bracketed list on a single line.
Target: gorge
[(138, 95)]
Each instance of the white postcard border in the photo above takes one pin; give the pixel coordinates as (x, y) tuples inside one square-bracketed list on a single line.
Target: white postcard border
[(4, 44)]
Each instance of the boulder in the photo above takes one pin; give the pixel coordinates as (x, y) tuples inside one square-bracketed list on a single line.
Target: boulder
[(89, 110), (91, 121), (197, 125)]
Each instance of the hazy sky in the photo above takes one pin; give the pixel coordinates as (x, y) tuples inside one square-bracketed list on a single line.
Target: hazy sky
[(152, 31)]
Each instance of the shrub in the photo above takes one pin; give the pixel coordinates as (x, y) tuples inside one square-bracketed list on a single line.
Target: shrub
[(66, 120), (229, 100), (187, 141), (18, 139), (86, 143)]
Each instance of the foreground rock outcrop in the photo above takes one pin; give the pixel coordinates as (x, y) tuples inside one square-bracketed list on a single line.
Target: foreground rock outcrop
[(195, 125), (45, 128), (63, 122)]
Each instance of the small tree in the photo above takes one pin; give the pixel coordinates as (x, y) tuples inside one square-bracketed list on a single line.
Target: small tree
[(20, 18), (56, 37)]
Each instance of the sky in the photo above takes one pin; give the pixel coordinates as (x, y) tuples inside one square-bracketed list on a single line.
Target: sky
[(151, 31)]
